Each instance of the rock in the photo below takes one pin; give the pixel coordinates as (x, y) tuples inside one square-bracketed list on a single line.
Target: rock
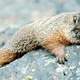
[(5, 34), (40, 65)]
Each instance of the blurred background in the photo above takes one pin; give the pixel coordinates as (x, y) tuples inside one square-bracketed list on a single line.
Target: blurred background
[(19, 12)]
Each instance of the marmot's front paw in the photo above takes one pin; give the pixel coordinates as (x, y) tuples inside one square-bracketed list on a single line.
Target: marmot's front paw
[(61, 58)]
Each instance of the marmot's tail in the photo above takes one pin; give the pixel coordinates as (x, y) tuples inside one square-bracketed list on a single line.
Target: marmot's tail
[(6, 56)]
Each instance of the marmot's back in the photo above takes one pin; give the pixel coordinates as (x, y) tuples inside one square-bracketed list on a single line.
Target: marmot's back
[(23, 41)]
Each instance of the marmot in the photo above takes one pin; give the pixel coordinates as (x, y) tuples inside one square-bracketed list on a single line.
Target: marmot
[(52, 33)]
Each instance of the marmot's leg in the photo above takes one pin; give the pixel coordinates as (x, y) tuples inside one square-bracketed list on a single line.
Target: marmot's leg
[(58, 51), (6, 56)]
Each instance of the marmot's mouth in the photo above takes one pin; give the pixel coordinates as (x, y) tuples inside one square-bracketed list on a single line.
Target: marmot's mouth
[(78, 35), (77, 32)]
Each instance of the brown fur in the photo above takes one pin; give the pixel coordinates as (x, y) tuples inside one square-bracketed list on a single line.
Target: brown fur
[(6, 56)]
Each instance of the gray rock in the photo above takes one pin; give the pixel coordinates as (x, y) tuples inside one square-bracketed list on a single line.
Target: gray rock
[(41, 65)]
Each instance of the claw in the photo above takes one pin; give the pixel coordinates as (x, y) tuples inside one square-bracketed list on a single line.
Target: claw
[(65, 59), (61, 60)]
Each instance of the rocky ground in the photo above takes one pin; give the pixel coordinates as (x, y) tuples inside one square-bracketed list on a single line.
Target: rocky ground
[(37, 64)]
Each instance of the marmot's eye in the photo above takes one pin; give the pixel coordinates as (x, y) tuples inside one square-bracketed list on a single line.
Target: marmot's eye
[(75, 19)]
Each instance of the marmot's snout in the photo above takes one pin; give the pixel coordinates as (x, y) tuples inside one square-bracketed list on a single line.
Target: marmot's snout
[(77, 32)]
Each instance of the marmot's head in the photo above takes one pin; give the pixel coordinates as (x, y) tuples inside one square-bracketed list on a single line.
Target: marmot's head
[(70, 26)]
